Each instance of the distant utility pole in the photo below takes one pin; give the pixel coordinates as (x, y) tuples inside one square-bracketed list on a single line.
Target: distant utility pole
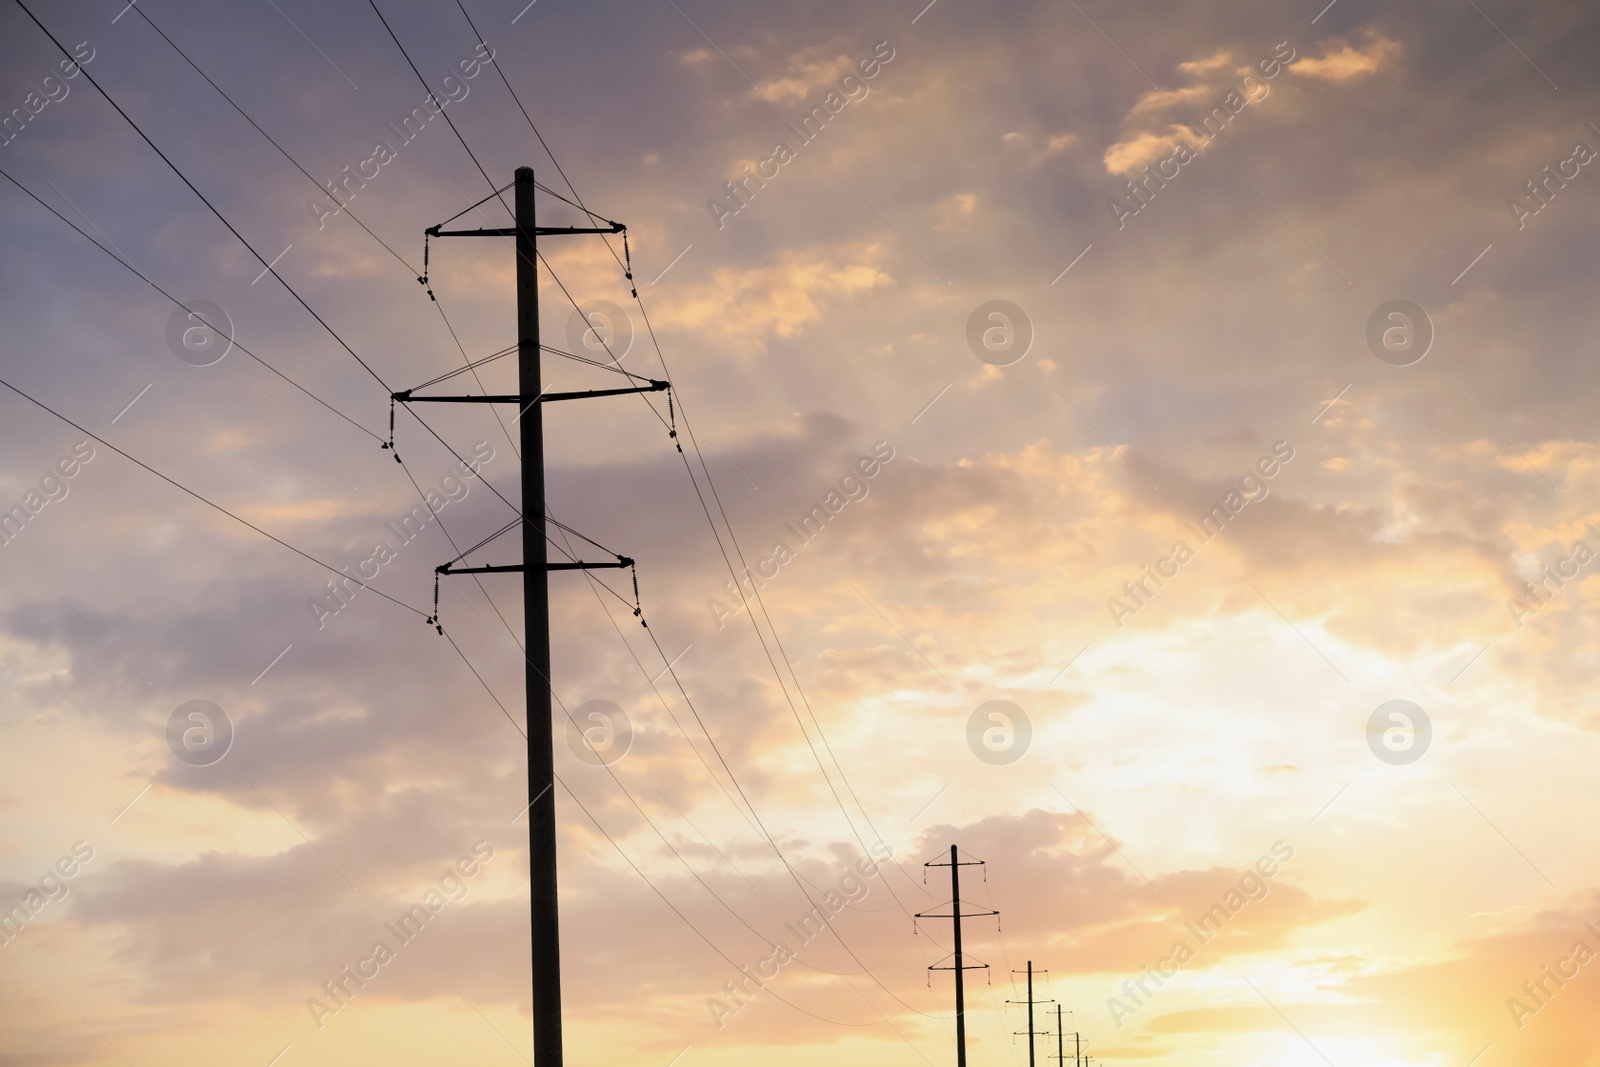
[(530, 399), (1077, 1047), (956, 915), (1030, 1002)]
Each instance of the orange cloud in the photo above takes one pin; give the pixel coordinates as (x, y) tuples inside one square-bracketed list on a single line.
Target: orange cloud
[(1342, 62)]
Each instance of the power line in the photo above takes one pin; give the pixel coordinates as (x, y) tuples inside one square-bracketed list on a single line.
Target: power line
[(711, 944), (129, 266), (673, 849), (209, 503), (771, 841), (518, 101), (782, 685), (343, 207), (443, 113), (452, 541), (142, 277), (655, 889), (193, 188), (706, 470), (334, 334), (299, 299), (651, 681), (645, 815)]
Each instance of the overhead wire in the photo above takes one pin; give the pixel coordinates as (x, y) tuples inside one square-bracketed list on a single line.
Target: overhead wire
[(269, 268), (577, 202), (442, 112), (611, 772), (651, 681), (481, 170), (443, 529), (206, 501), (667, 842), (293, 293), (129, 266), (818, 909), (703, 835), (343, 206), (770, 840), (197, 316), (452, 542), (771, 626), (711, 944)]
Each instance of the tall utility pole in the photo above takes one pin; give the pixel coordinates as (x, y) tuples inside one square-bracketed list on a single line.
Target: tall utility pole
[(1061, 1034), (535, 567), (956, 915), (546, 922), (1031, 1032)]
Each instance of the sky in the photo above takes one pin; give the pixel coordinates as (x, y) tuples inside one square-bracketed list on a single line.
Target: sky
[(1145, 446)]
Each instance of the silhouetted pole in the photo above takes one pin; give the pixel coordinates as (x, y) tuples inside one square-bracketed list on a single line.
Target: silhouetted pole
[(536, 621), (1061, 1036), (961, 993), (1030, 1031), (960, 964), (1030, 1013), (530, 399)]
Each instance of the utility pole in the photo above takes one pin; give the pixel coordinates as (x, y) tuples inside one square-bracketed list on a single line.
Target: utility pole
[(535, 567), (1061, 1033), (1030, 1031), (956, 915), (545, 920)]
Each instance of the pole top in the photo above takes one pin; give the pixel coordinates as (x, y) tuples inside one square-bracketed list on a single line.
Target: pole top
[(524, 170)]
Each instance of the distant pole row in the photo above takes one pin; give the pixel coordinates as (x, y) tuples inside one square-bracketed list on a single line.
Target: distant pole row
[(959, 963)]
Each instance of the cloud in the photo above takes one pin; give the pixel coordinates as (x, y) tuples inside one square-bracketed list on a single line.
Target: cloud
[(979, 565), (779, 298), (1342, 62), (819, 67), (1163, 121), (1127, 156)]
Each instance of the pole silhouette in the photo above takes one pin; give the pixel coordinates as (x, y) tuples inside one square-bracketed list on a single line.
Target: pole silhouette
[(535, 567), (1030, 1002), (542, 902), (1061, 1035), (960, 964)]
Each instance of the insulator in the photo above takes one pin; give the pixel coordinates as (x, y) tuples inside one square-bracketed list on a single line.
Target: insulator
[(627, 258)]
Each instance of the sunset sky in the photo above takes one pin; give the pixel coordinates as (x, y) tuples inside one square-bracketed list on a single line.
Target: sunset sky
[(1196, 380)]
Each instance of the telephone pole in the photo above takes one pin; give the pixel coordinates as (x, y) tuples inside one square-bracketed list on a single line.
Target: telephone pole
[(535, 567), (1031, 1032), (956, 915)]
